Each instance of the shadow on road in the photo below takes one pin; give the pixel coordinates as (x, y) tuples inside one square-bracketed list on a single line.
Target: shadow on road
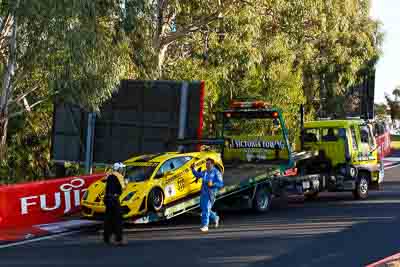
[(358, 245)]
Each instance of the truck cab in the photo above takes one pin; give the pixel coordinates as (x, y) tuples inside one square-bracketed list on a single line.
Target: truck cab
[(346, 151)]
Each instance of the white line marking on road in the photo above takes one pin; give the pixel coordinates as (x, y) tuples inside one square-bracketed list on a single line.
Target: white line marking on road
[(385, 260), (38, 239), (393, 166)]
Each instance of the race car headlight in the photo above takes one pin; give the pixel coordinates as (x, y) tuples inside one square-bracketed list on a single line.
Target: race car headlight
[(85, 195), (129, 196)]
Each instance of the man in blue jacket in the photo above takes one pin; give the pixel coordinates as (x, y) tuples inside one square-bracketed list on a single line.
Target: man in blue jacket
[(211, 182)]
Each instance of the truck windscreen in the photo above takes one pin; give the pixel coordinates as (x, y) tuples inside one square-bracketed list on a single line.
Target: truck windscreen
[(256, 137), (252, 127)]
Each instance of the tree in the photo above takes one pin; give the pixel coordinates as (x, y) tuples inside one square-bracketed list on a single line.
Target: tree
[(336, 40), (154, 25), (396, 93), (275, 49), (281, 51), (71, 51), (8, 38), (236, 60), (380, 110), (394, 104)]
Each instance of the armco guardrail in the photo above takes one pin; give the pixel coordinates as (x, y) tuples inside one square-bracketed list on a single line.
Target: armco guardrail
[(42, 202)]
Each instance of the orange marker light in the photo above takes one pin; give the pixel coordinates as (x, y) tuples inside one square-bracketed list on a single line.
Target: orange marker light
[(275, 114)]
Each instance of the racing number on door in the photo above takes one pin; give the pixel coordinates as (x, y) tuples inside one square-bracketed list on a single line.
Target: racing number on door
[(181, 184)]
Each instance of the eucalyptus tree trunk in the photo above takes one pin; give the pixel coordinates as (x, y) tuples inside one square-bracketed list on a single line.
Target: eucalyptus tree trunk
[(6, 90)]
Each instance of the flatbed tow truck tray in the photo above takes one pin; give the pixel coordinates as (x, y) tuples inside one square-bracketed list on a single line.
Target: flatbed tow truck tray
[(236, 180)]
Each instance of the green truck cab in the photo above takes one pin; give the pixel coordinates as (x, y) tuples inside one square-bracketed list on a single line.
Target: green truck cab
[(345, 153)]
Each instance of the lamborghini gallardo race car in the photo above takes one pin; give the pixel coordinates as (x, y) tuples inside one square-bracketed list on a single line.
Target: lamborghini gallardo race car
[(151, 182)]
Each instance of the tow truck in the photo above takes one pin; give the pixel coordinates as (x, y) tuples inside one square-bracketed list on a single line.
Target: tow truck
[(260, 164), (258, 159)]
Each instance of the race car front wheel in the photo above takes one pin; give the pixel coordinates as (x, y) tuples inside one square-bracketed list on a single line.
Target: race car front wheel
[(155, 200)]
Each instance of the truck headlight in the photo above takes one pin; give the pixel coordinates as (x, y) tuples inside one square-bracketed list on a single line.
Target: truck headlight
[(348, 170), (352, 171), (129, 196)]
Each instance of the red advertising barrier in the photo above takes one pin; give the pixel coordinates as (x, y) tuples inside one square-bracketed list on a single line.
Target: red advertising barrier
[(42, 202), (383, 142)]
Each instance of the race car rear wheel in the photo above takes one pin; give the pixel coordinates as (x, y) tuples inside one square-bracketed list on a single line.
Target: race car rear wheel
[(155, 200)]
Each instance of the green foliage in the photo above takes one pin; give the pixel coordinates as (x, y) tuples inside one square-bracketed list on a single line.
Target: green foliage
[(29, 150), (153, 26), (279, 51), (82, 55), (70, 50), (275, 50), (380, 110), (394, 104)]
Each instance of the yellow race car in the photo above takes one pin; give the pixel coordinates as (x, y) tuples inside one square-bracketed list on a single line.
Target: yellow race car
[(151, 182)]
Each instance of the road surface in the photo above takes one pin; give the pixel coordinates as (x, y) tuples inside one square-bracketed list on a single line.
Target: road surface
[(334, 230)]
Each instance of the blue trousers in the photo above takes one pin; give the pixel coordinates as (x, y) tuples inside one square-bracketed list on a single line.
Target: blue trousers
[(206, 213)]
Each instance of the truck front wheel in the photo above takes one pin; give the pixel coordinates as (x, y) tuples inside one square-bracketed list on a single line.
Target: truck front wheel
[(262, 199), (362, 186)]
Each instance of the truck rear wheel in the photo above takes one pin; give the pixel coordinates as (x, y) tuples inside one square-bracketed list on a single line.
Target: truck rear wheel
[(311, 196), (361, 190), (262, 199)]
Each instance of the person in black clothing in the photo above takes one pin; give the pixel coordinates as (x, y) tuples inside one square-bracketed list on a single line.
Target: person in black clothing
[(113, 217)]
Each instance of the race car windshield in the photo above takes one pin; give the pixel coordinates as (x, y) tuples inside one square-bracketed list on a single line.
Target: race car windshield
[(138, 173)]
